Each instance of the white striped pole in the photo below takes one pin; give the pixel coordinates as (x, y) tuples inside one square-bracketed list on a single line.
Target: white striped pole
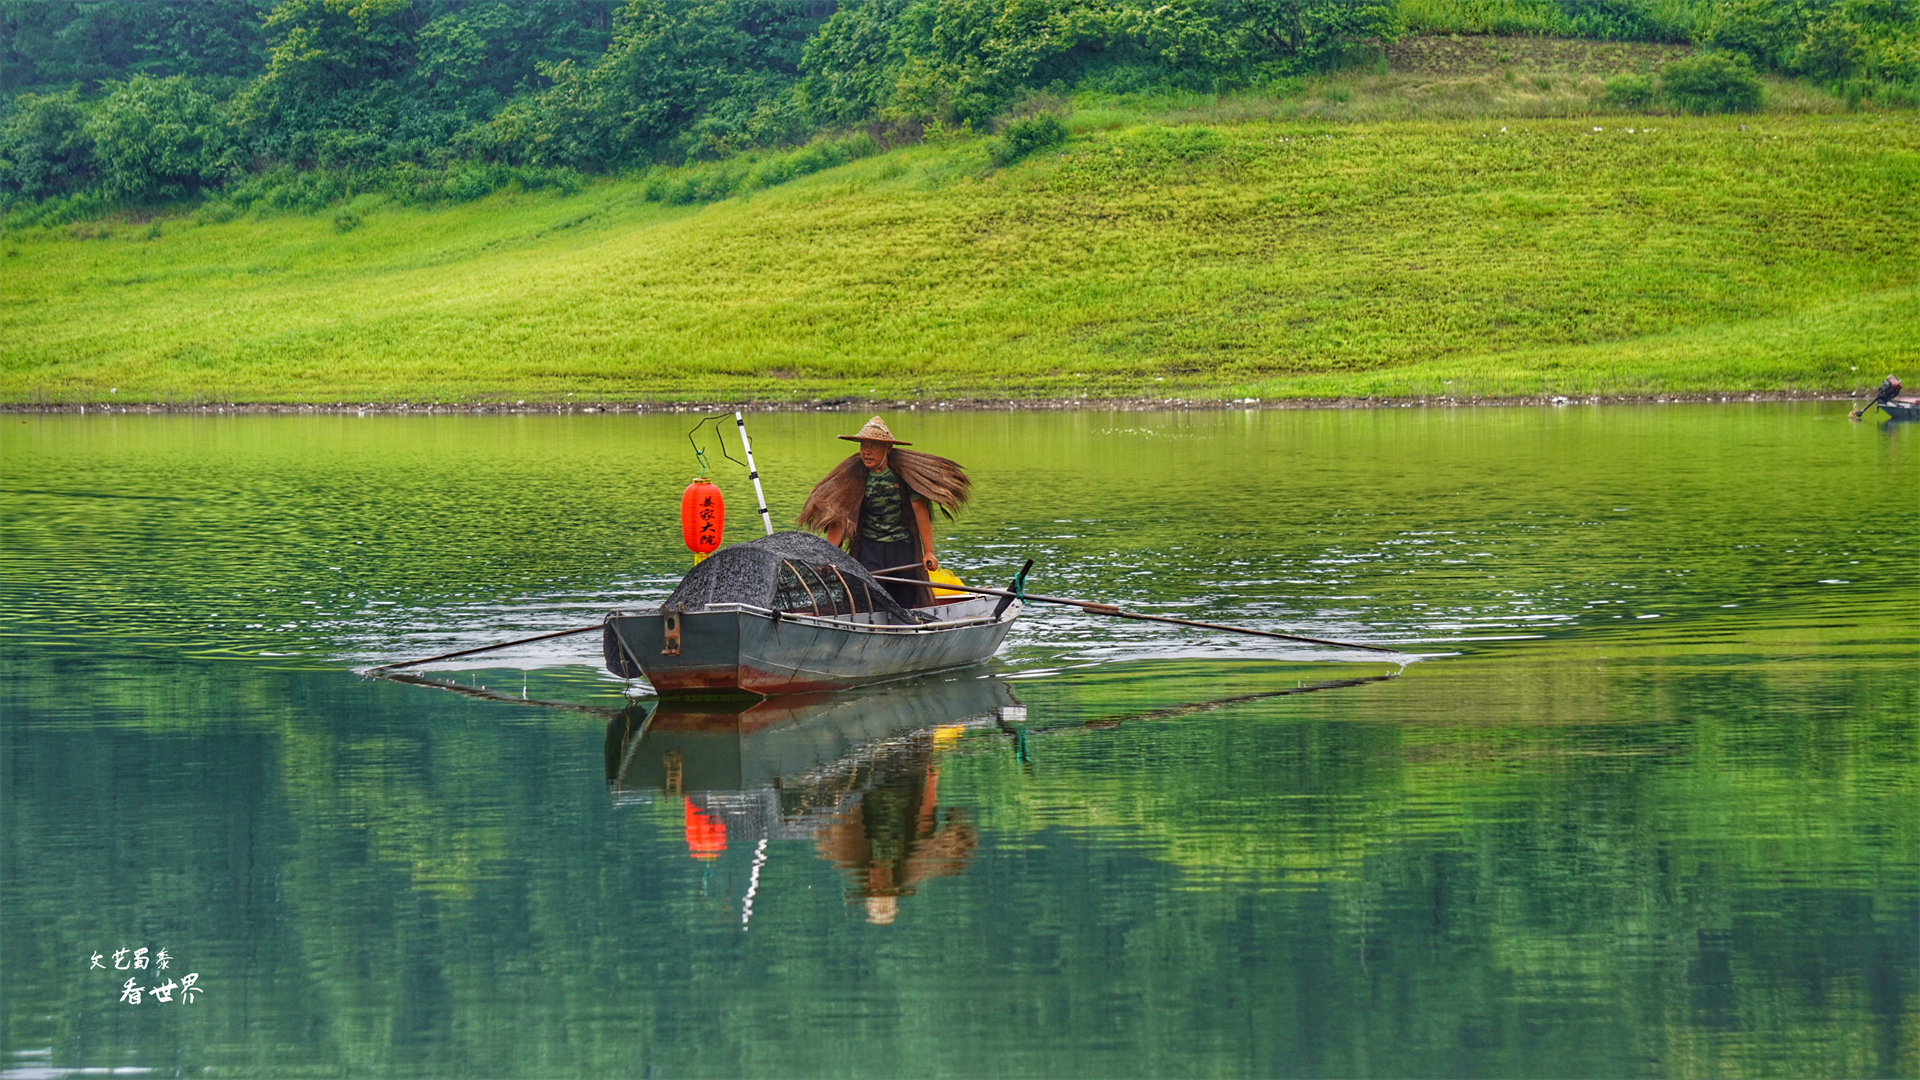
[(754, 471)]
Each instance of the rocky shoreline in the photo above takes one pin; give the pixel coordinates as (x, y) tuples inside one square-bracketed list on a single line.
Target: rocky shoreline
[(850, 405)]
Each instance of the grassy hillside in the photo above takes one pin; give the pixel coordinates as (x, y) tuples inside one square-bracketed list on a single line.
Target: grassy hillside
[(1242, 252)]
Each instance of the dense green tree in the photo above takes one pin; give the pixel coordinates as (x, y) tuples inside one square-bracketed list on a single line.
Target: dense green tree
[(1832, 45), (45, 150), (714, 66), (55, 43), (1625, 20), (473, 56), (272, 87), (975, 56), (969, 59), (336, 88), (851, 63), (1765, 31), (160, 139), (323, 49), (1307, 35), (1827, 39), (682, 78)]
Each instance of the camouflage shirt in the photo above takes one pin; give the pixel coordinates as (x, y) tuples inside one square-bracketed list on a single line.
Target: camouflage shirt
[(883, 513)]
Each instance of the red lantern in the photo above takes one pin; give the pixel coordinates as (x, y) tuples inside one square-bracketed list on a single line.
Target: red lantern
[(703, 517)]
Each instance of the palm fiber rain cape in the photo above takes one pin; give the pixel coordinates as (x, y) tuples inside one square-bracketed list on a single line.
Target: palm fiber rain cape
[(835, 500), (788, 571)]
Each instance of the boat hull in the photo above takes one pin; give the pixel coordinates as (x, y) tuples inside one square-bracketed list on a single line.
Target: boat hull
[(1901, 408), (737, 649), (742, 744)]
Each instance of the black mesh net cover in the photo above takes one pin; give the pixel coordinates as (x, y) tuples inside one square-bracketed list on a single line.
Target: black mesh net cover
[(788, 571)]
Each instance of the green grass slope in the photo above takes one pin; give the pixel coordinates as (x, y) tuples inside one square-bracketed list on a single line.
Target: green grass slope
[(1245, 257)]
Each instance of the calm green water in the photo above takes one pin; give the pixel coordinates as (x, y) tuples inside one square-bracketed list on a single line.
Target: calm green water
[(1649, 808)]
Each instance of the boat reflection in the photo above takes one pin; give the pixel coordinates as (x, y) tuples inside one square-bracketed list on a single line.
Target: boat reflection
[(855, 774)]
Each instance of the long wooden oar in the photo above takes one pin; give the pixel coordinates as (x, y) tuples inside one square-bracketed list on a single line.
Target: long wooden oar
[(897, 569), (1096, 608), (487, 648), (543, 637)]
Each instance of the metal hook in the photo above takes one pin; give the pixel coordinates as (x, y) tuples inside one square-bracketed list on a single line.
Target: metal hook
[(702, 454)]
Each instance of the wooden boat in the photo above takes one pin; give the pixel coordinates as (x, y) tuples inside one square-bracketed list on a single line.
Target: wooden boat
[(741, 647), (791, 614)]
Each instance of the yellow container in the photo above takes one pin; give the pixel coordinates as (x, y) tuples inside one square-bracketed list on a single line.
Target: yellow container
[(944, 576)]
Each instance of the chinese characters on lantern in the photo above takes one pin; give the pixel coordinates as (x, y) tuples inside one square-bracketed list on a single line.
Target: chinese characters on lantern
[(707, 534), (146, 959)]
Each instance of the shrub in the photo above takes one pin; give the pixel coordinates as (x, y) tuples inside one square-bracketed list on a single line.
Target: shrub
[(1629, 92), (215, 212), (1833, 46), (468, 181), (772, 172), (1711, 83), (1901, 95), (1897, 59), (937, 133), (714, 183), (1763, 30), (818, 157), (708, 182), (1628, 20), (1023, 137)]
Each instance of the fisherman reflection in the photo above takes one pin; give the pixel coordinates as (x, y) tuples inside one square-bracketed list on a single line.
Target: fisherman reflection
[(897, 836), (874, 812)]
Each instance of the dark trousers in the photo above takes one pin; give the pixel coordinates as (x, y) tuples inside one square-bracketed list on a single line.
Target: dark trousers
[(881, 554)]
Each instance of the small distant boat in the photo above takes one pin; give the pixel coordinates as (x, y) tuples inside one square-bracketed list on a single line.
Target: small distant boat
[(792, 614), (1888, 397), (1902, 408)]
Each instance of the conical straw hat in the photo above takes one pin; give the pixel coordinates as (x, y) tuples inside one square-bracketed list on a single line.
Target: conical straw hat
[(876, 431)]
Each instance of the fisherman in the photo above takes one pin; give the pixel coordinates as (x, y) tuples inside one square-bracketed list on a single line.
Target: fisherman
[(878, 504)]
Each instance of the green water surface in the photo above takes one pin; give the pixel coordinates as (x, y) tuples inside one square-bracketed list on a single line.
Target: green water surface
[(1648, 806)]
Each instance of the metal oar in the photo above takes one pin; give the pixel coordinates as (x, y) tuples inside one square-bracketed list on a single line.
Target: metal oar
[(487, 648), (1096, 608)]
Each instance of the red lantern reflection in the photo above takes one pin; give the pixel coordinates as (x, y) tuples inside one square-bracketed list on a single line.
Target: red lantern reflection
[(706, 836)]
